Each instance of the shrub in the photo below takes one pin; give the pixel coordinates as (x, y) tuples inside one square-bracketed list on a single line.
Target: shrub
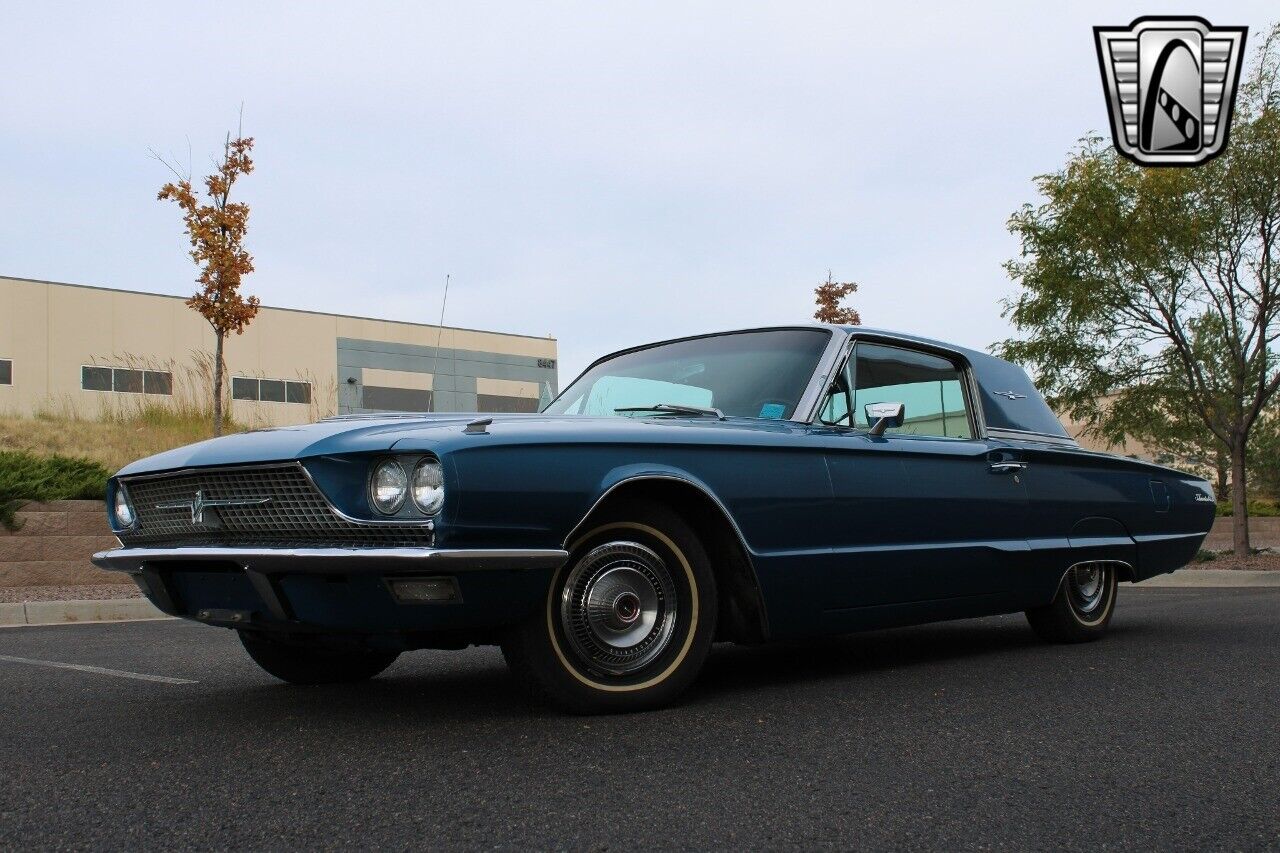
[(26, 477), (1257, 509)]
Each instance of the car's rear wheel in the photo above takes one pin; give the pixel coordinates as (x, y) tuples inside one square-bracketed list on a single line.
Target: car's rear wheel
[(299, 664), (1082, 608), (628, 620)]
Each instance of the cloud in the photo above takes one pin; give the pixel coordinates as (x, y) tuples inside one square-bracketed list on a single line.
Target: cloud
[(605, 174)]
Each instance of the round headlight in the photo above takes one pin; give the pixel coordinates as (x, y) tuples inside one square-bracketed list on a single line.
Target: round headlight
[(387, 487), (428, 486), (123, 510)]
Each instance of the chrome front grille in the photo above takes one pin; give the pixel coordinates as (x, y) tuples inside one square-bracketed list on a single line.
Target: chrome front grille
[(271, 505)]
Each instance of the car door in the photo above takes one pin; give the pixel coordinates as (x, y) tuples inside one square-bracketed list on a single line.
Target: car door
[(929, 511)]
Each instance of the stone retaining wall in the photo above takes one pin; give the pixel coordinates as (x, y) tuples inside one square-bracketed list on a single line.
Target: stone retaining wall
[(53, 544)]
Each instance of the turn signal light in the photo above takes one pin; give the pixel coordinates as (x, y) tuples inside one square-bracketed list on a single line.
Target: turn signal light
[(441, 590)]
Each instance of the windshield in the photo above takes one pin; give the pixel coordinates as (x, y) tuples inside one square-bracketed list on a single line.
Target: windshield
[(745, 374)]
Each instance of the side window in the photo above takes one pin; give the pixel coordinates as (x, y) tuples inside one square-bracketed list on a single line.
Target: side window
[(930, 387)]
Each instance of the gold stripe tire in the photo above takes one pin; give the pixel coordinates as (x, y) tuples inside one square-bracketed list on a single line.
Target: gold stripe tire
[(1082, 609), (582, 673)]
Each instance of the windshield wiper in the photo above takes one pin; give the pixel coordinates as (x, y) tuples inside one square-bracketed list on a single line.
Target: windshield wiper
[(674, 408)]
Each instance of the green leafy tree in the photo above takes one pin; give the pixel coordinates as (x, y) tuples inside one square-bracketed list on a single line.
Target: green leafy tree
[(1264, 453), (1150, 298)]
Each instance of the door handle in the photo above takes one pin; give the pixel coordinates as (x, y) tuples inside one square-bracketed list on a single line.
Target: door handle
[(1007, 467)]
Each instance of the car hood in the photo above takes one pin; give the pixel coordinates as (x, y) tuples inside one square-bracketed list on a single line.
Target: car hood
[(444, 432)]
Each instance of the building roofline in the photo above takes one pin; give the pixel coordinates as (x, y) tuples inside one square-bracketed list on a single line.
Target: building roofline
[(278, 308)]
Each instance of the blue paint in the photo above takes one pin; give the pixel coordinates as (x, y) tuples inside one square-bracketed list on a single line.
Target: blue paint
[(843, 530)]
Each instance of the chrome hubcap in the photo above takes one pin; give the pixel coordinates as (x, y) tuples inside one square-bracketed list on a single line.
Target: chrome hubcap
[(618, 608), (1088, 586)]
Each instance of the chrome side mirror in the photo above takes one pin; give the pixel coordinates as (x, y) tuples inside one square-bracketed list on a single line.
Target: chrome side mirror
[(881, 416)]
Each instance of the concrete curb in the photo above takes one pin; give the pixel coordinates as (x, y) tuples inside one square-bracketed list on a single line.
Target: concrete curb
[(1214, 578), (75, 612)]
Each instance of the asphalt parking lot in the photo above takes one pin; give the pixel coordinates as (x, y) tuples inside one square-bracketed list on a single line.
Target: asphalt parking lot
[(962, 735)]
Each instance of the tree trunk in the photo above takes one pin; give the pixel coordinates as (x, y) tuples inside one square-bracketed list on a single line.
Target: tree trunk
[(1221, 466), (1239, 501), (217, 385)]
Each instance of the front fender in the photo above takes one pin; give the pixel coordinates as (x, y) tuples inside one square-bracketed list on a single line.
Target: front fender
[(534, 496), (624, 474)]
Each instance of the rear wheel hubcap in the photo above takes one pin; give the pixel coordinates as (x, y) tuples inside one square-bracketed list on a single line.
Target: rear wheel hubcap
[(1087, 586)]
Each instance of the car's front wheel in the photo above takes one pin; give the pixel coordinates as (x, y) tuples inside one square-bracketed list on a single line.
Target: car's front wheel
[(1082, 608), (299, 664), (628, 620)]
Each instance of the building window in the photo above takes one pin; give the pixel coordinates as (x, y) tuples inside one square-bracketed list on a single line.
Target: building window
[(270, 390), (6, 371), (504, 403), (383, 399), (95, 378), (298, 392), (126, 380), (158, 382), (243, 388)]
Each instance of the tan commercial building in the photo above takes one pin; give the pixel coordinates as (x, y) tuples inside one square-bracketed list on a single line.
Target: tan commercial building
[(91, 350)]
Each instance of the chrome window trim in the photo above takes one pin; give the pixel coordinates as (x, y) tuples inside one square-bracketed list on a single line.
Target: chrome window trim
[(1031, 435), (830, 361), (968, 382), (423, 523)]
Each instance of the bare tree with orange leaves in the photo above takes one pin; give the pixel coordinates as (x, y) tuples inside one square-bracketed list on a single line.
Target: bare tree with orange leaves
[(216, 230), (829, 294)]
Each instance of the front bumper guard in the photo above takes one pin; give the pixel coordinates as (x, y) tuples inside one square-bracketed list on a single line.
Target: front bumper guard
[(336, 560), (261, 565)]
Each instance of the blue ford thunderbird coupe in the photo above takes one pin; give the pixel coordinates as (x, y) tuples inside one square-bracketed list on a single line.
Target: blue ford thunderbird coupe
[(746, 486)]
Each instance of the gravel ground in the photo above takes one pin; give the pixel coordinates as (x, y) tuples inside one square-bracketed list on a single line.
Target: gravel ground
[(68, 593), (1257, 563)]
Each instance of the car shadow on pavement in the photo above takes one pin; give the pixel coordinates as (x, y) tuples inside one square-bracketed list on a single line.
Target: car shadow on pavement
[(738, 668), (474, 688)]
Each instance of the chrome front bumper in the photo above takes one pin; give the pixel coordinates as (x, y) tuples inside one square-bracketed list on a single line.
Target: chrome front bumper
[(335, 560)]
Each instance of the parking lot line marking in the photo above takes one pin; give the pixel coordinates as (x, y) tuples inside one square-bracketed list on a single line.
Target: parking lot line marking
[(99, 670)]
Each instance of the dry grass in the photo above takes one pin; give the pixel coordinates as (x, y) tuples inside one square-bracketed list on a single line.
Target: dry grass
[(114, 443), (126, 427)]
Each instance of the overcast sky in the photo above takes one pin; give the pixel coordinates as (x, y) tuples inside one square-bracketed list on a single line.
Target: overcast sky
[(606, 174)]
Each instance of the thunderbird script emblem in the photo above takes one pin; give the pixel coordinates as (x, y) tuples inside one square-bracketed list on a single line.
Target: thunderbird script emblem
[(199, 504), (1171, 85)]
